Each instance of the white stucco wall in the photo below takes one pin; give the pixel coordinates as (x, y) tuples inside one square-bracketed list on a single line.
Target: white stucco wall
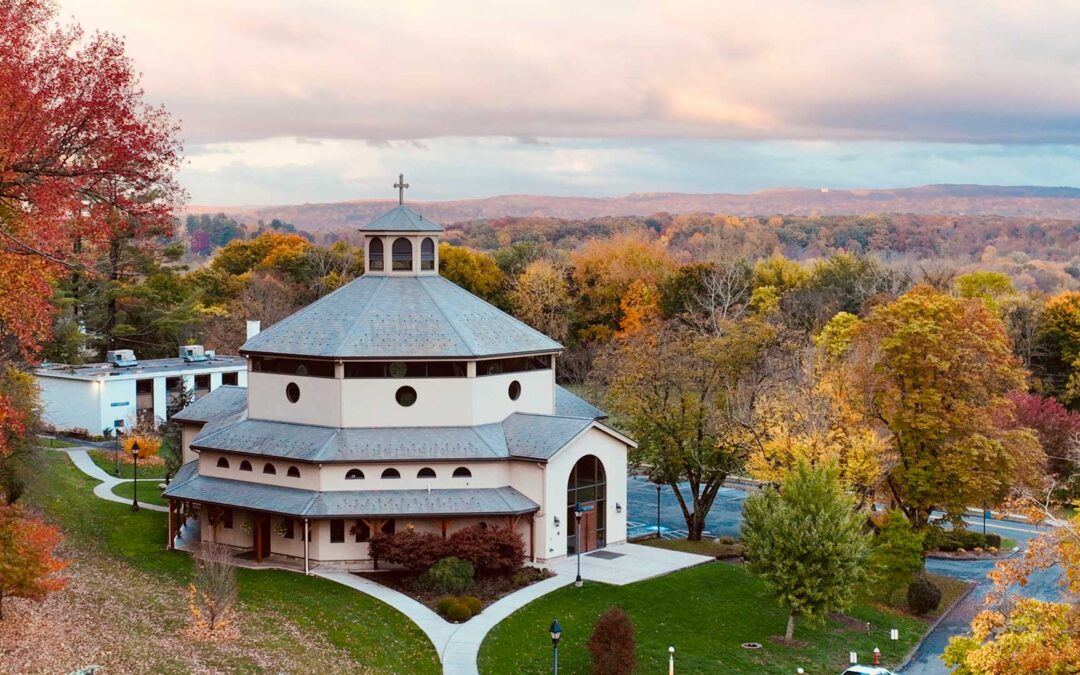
[(319, 402), (484, 474), (70, 404), (612, 454), (308, 479)]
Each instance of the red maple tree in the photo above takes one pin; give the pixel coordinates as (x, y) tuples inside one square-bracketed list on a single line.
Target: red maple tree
[(83, 158), (28, 566)]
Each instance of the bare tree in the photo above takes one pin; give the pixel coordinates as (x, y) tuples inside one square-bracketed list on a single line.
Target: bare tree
[(722, 297), (212, 592)]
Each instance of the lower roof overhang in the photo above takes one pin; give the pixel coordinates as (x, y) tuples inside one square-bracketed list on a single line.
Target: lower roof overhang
[(448, 503)]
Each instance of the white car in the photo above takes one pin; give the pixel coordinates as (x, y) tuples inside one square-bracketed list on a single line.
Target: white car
[(867, 670)]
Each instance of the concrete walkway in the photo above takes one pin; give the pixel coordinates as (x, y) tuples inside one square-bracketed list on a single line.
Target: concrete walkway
[(622, 564), (81, 459)]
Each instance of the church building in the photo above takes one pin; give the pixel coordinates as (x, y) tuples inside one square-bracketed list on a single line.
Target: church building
[(399, 400)]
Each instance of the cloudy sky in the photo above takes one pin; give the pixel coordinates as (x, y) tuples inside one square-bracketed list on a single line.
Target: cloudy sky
[(303, 101)]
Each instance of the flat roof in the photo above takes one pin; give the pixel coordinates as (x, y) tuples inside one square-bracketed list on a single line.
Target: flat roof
[(99, 371)]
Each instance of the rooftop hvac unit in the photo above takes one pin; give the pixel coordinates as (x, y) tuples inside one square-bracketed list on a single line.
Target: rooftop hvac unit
[(193, 353), (121, 358)]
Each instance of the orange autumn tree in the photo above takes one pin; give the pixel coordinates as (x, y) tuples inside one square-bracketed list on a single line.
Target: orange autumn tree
[(1028, 636), (28, 566)]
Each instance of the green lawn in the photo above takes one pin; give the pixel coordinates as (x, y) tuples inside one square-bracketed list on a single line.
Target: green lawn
[(704, 547), (375, 635), (57, 443), (706, 612), (148, 492), (105, 459)]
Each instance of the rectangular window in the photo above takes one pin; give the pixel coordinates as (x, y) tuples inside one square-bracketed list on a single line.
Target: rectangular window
[(361, 531), (337, 531), (202, 386), (175, 394), (513, 365), (226, 519), (289, 528), (301, 367), (381, 369), (232, 378)]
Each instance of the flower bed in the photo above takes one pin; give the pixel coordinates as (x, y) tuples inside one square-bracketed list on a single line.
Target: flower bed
[(487, 589)]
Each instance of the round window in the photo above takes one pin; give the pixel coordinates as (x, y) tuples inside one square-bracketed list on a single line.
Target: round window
[(515, 390), (398, 369), (405, 396), (292, 392)]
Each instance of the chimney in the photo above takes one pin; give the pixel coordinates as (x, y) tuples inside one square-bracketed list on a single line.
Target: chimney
[(253, 328)]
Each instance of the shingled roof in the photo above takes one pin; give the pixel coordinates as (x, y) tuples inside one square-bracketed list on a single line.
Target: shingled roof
[(381, 317), (401, 219), (224, 401), (457, 502)]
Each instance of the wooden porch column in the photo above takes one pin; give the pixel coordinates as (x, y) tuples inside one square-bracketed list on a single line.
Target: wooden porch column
[(257, 539), (443, 521), (532, 537), (169, 543), (307, 567)]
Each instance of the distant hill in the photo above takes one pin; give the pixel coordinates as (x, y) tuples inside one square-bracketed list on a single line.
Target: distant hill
[(1019, 201)]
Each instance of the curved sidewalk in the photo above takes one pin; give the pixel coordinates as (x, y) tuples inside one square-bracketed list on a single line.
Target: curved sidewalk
[(81, 459)]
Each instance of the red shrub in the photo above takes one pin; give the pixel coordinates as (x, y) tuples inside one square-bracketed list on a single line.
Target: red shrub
[(415, 550), (489, 549), (612, 644)]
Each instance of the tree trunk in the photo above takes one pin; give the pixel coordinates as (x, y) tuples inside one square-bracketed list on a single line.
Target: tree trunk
[(695, 525), (789, 634)]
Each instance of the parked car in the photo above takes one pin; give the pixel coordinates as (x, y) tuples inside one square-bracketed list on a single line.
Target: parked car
[(867, 670)]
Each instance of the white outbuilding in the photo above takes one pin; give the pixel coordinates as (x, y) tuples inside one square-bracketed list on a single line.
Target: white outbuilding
[(95, 398), (399, 400)]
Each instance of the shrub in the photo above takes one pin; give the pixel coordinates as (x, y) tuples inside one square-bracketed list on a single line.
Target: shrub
[(415, 550), (444, 604), (612, 644), (473, 603), (923, 595), (489, 549), (726, 540), (458, 612), (955, 540), (449, 575), (993, 541), (896, 555)]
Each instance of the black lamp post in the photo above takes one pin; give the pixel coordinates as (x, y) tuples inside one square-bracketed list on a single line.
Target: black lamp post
[(578, 511), (135, 483), (658, 510), (556, 633)]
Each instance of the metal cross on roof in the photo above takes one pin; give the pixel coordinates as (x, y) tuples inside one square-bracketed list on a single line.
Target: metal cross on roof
[(401, 185)]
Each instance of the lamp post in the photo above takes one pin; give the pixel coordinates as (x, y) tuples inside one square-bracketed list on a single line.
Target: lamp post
[(658, 510), (577, 542), (671, 660), (135, 483), (556, 633)]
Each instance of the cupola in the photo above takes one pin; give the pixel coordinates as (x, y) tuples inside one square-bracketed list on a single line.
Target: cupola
[(401, 242)]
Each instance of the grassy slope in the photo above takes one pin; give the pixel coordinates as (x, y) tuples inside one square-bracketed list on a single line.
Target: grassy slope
[(374, 634), (706, 612), (105, 460), (703, 547), (148, 492)]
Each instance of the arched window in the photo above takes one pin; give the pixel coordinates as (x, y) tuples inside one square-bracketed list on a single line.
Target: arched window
[(269, 468), (375, 253), (462, 472), (402, 253), (427, 254), (222, 463), (245, 465), (426, 472), (354, 474), (294, 472), (391, 473), (586, 487)]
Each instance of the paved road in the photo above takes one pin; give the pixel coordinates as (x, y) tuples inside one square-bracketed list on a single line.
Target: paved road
[(726, 517)]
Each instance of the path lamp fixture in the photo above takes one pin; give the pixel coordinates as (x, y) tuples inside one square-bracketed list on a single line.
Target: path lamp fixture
[(671, 660), (877, 656), (135, 483), (556, 633)]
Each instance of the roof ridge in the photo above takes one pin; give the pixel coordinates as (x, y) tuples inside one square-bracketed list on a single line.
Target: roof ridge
[(469, 343), (494, 450), (302, 311), (363, 310), (502, 314)]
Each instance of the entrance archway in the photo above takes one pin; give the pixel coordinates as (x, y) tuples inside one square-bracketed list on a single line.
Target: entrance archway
[(587, 487)]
